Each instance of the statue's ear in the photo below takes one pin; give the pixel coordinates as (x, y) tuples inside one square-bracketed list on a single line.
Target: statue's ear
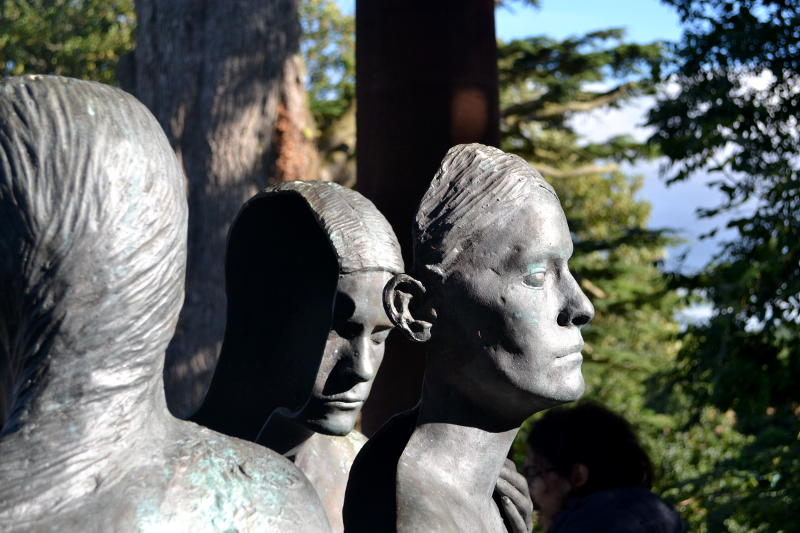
[(399, 296)]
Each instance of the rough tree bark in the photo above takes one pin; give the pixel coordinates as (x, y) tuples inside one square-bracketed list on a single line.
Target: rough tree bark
[(214, 73), (294, 147), (426, 79)]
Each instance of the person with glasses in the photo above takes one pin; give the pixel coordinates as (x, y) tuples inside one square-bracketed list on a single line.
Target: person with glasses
[(587, 471)]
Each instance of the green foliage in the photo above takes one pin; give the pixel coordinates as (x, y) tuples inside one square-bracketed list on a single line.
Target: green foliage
[(734, 115), (717, 408), (78, 38), (544, 83), (730, 481), (329, 51)]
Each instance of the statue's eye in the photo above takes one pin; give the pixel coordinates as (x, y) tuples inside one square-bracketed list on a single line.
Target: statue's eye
[(347, 329), (379, 334), (534, 279)]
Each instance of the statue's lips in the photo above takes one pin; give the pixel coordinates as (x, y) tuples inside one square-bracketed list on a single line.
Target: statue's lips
[(344, 402), (572, 350), (345, 405)]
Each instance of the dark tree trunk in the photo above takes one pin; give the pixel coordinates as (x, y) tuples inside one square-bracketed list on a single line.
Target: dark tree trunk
[(426, 80), (211, 71)]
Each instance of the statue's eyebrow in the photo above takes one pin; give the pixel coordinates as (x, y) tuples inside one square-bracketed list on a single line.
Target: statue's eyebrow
[(539, 258)]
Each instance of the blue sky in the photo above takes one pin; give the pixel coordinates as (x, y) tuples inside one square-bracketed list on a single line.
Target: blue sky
[(644, 21)]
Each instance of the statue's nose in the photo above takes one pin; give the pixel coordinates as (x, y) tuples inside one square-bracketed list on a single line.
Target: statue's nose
[(362, 363), (577, 310)]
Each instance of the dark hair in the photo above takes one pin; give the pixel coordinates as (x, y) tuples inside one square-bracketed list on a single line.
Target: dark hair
[(592, 435)]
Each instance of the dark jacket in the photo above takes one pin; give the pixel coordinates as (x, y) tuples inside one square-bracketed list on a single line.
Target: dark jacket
[(624, 510)]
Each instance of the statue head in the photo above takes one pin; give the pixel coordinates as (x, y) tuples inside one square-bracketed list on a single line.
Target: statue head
[(92, 253), (305, 269), (368, 255), (492, 292)]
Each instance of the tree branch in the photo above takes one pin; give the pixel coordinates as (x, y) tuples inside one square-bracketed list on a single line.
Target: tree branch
[(575, 172), (535, 110)]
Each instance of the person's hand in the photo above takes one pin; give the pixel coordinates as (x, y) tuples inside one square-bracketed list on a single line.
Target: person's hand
[(513, 499)]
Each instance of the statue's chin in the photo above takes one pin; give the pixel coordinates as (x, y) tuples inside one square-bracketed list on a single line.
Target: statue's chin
[(568, 389), (572, 388), (335, 424)]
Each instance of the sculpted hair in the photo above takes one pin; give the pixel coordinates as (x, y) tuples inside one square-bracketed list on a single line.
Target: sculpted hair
[(360, 235), (474, 186), (92, 239)]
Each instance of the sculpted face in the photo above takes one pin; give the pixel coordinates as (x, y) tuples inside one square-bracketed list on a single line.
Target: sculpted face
[(353, 354), (512, 312)]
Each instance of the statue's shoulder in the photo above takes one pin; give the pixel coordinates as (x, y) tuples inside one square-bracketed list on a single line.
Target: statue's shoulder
[(238, 485)]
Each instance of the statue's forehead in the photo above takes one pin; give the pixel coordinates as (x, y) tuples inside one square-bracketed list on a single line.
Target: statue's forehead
[(533, 233)]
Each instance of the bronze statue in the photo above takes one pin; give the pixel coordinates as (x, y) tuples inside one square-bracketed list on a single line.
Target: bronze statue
[(358, 253), (500, 313), (320, 438), (329, 220), (92, 261), (328, 309)]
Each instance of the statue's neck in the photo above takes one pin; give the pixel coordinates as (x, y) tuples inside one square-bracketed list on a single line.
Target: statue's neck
[(449, 443), (284, 434), (76, 434)]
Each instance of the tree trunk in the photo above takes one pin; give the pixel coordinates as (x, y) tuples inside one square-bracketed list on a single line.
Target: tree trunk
[(294, 143), (211, 71), (426, 79)]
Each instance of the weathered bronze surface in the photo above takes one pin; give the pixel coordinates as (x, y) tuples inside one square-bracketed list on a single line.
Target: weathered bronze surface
[(500, 313), (321, 438), (346, 322), (92, 261)]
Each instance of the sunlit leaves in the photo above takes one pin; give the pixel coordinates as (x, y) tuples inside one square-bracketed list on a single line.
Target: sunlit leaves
[(329, 51), (732, 112), (78, 38)]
